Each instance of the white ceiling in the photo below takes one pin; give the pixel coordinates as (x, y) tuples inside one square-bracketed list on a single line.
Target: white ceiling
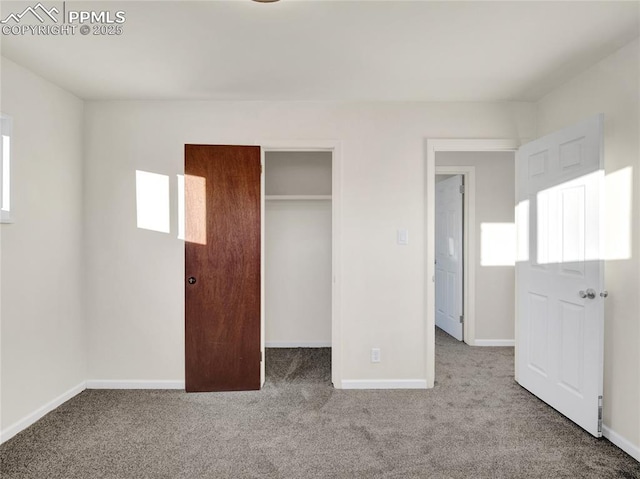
[(329, 50)]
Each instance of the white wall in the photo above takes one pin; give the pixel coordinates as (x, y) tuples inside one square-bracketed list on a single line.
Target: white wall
[(135, 278), (298, 173), (43, 334), (494, 203), (298, 273), (611, 87)]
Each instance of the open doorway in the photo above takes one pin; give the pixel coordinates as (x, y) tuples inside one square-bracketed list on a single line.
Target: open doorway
[(475, 244), (301, 258), (485, 169), (298, 265)]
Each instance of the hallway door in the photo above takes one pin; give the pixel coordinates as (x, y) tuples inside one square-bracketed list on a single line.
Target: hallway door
[(449, 265)]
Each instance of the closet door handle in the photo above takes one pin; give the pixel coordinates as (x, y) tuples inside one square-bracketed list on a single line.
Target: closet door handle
[(192, 280)]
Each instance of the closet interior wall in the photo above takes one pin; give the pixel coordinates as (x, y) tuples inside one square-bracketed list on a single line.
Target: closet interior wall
[(298, 249)]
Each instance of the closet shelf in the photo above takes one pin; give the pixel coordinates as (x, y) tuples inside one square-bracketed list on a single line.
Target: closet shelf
[(297, 197)]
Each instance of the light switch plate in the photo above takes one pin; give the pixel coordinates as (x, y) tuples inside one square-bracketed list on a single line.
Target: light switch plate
[(403, 236)]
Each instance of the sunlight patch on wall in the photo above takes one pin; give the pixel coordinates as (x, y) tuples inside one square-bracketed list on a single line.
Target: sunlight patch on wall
[(618, 210), (5, 169), (152, 201), (497, 244), (6, 173), (522, 231)]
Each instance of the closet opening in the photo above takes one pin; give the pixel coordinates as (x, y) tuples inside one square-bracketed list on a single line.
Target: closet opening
[(298, 266)]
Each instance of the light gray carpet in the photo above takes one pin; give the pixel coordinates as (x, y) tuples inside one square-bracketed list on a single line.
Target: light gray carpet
[(477, 422)]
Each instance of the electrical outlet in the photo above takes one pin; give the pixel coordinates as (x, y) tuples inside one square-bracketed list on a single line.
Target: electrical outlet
[(375, 355)]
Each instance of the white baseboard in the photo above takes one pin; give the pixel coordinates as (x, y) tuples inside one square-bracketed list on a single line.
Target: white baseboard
[(384, 384), (624, 444), (297, 344), (495, 342), (39, 413), (134, 384)]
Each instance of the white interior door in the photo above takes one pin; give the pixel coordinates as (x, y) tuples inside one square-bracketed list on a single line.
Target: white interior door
[(560, 272), (449, 256)]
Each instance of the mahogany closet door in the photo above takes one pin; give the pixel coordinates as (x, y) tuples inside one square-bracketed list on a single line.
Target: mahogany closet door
[(222, 268)]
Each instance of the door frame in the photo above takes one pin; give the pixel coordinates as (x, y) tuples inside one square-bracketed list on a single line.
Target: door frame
[(336, 257), (468, 174), (432, 146)]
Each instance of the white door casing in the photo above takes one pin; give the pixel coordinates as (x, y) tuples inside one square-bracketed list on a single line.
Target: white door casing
[(560, 272), (448, 255)]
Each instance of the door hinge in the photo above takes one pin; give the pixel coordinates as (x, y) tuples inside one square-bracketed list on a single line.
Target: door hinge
[(462, 189), (599, 414), (260, 356), (260, 168), (461, 318)]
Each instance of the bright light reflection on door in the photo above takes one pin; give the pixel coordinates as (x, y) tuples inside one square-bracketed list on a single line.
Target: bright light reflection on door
[(497, 244), (561, 221), (152, 201), (181, 207), (195, 205), (560, 213)]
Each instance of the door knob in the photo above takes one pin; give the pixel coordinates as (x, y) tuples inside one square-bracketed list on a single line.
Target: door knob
[(604, 294), (590, 293), (191, 280)]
